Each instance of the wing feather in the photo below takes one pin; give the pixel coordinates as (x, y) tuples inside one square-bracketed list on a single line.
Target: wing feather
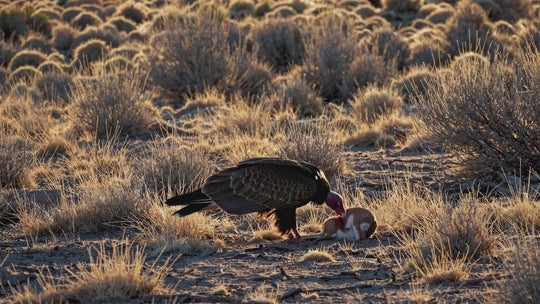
[(261, 184)]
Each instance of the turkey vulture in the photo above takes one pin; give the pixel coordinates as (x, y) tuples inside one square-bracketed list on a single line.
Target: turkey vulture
[(264, 185)]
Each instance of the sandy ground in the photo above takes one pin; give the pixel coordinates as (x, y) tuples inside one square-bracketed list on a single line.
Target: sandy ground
[(363, 271)]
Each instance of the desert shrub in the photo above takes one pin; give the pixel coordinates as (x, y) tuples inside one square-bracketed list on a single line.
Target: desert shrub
[(440, 16), (51, 13), (402, 6), (414, 83), (252, 77), (203, 102), (191, 56), (63, 36), (99, 207), (377, 22), (262, 8), (508, 11), (126, 51), (389, 44), (85, 19), (279, 42), (370, 67), (365, 11), (281, 12), (294, 92), (523, 265), (123, 24), (27, 58), (428, 52), (487, 114), (24, 74), (299, 6), (38, 42), (468, 28), (4, 75), (88, 52), (463, 230), (54, 85), (50, 66), (17, 21), (239, 9), (22, 112), (467, 58), (330, 52), (136, 36), (315, 144), (134, 11), (117, 62), (166, 233), (447, 241), (427, 9), (8, 49), (421, 23), (503, 28), (15, 160), (373, 102), (519, 212), (96, 9), (173, 165), (69, 13), (107, 33), (111, 100)]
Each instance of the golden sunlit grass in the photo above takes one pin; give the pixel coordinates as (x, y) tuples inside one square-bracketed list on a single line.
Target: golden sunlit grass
[(267, 234), (80, 114), (523, 264), (317, 255), (101, 207), (175, 164), (404, 205), (446, 243), (162, 232), (113, 274), (221, 290), (264, 294)]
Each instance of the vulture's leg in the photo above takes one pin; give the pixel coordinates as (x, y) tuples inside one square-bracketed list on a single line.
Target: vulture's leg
[(294, 236)]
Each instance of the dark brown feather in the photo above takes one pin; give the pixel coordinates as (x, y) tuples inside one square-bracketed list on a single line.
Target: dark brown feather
[(268, 186)]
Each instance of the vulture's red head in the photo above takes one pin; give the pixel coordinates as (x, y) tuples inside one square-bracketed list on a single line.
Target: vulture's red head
[(335, 201)]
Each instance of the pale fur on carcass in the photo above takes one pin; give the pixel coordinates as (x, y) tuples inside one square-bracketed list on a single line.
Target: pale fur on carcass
[(359, 224)]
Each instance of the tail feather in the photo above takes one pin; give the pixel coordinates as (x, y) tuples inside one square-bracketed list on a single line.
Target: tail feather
[(188, 198), (192, 208)]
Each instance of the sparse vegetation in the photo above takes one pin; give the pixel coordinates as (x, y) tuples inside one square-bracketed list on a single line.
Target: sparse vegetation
[(116, 276), (424, 112), (111, 100)]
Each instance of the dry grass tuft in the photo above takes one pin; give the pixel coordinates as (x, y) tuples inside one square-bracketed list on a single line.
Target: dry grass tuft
[(173, 165), (103, 206), (523, 264), (316, 144), (433, 262), (264, 294), (267, 234), (161, 231), (374, 103), (110, 276), (279, 42), (111, 100), (317, 255), (15, 161), (221, 290)]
